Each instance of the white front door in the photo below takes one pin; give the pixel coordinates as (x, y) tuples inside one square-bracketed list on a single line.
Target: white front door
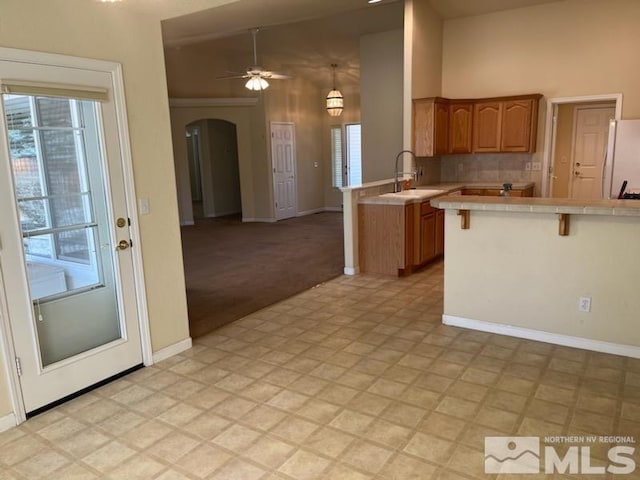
[(67, 273), (591, 136), (283, 157)]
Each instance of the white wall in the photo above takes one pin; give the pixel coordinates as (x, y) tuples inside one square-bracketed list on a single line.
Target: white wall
[(93, 30), (381, 102), (514, 269), (426, 50)]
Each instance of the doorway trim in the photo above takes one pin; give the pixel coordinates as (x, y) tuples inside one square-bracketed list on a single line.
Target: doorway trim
[(6, 336), (549, 133)]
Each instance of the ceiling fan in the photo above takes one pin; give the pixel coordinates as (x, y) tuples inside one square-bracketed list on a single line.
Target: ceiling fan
[(256, 75)]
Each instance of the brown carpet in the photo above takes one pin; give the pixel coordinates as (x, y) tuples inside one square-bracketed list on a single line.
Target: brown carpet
[(234, 268)]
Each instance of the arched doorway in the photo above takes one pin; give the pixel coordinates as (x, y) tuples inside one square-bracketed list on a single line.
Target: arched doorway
[(212, 150)]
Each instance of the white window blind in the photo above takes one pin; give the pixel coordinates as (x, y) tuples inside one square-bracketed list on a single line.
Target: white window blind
[(354, 153), (337, 170), (46, 89)]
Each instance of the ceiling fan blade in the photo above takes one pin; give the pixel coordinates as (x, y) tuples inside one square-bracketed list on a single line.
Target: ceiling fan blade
[(229, 77), (256, 70), (276, 76)]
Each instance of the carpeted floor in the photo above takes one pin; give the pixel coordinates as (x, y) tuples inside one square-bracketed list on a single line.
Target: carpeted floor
[(234, 268)]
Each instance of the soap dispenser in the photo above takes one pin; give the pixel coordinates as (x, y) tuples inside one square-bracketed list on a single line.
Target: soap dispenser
[(506, 188)]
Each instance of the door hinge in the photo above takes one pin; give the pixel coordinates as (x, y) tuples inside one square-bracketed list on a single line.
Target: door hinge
[(18, 367)]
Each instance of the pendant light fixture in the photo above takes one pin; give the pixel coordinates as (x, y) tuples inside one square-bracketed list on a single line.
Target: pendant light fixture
[(335, 100)]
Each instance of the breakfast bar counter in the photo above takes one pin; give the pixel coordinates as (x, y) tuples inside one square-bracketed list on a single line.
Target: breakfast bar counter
[(539, 205), (554, 270)]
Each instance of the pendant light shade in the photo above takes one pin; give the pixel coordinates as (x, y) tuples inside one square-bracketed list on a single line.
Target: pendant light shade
[(257, 83), (335, 100)]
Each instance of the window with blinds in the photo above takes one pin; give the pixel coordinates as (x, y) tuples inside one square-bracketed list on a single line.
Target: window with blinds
[(337, 163), (354, 153), (47, 151), (346, 155)]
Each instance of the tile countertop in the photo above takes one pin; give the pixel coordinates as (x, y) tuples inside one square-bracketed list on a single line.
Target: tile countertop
[(426, 192), (627, 208)]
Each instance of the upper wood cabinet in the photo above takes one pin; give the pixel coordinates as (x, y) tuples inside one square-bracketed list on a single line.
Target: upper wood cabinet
[(492, 125), (430, 126), (487, 126), (519, 122), (460, 127)]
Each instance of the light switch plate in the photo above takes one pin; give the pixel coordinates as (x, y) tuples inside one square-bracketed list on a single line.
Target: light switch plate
[(143, 205)]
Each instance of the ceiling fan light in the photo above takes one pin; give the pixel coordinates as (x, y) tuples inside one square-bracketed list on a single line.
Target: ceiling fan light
[(257, 84), (335, 103)]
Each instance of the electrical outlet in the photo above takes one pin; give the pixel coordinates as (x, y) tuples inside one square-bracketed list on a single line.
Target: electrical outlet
[(527, 166), (584, 304), (536, 166)]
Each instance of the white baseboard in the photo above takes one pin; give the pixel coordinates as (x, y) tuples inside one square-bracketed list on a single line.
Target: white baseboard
[(310, 212), (172, 350), (187, 223), (541, 336), (7, 422), (320, 210), (222, 214), (266, 220), (351, 271)]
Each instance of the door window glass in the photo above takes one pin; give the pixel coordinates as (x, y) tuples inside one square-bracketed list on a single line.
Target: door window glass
[(48, 148)]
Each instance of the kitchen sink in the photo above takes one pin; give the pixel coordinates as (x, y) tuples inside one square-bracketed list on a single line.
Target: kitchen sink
[(417, 193)]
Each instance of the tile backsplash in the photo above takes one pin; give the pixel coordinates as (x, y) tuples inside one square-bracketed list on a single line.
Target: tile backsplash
[(500, 168)]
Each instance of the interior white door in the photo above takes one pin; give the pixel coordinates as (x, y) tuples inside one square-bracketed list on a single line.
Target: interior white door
[(66, 266), (283, 157), (591, 137)]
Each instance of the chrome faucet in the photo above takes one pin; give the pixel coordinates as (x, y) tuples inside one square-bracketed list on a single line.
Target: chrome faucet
[(414, 173)]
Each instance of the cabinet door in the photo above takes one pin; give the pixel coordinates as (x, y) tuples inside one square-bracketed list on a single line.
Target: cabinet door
[(487, 128), (473, 191), (440, 232), (430, 126), (460, 127), (423, 113), (427, 237), (441, 133), (527, 192), (516, 126)]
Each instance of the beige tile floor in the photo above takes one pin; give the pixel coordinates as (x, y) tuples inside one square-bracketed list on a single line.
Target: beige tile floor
[(355, 379)]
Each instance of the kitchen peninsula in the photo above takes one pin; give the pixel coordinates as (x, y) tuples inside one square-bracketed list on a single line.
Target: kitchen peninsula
[(401, 232), (553, 270)]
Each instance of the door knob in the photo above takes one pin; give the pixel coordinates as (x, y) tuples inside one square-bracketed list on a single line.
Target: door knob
[(122, 245), (577, 174), (577, 164)]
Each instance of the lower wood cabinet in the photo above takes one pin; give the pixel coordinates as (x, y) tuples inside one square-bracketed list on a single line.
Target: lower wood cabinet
[(495, 192), (396, 239), (427, 235), (439, 232)]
